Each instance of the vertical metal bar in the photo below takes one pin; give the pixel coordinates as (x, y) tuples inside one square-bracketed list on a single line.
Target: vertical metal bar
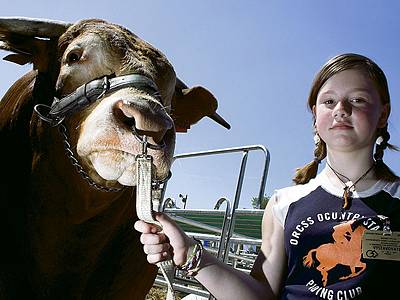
[(264, 176), (163, 190), (236, 202), (224, 225)]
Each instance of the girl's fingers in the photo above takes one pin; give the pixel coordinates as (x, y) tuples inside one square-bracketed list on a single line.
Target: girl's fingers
[(155, 258), (168, 224), (153, 238), (144, 227), (154, 249)]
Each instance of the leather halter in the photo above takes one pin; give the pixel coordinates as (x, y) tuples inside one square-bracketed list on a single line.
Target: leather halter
[(82, 97), (90, 92)]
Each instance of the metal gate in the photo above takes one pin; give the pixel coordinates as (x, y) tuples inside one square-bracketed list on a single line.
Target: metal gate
[(227, 230)]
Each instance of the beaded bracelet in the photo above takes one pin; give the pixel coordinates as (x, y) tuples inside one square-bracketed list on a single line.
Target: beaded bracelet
[(191, 266)]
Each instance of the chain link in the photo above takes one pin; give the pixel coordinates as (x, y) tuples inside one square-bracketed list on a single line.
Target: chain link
[(77, 165)]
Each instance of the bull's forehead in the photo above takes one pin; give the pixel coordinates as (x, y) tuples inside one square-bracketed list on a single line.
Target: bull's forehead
[(109, 49), (86, 58)]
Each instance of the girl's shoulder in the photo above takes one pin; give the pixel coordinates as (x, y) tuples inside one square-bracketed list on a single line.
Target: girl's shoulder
[(295, 192), (392, 188), (283, 198)]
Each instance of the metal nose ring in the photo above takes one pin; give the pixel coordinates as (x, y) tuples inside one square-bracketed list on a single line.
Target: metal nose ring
[(144, 140)]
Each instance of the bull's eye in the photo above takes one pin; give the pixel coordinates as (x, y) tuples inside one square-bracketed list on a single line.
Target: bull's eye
[(73, 57)]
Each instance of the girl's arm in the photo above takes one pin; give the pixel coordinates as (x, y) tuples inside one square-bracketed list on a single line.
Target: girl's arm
[(221, 280)]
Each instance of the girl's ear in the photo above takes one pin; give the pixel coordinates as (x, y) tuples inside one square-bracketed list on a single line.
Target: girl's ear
[(382, 122), (314, 112)]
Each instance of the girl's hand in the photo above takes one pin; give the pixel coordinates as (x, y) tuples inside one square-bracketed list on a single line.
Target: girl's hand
[(169, 243)]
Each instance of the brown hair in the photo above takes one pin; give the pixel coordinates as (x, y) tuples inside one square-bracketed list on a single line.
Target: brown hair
[(333, 66)]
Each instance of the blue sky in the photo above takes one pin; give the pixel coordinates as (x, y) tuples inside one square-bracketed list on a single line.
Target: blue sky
[(258, 58)]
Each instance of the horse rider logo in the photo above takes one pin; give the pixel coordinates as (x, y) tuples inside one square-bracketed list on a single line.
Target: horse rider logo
[(345, 250)]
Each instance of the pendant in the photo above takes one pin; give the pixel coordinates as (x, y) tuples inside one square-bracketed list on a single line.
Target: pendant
[(346, 196)]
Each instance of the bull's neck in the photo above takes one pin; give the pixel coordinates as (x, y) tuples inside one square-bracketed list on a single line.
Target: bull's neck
[(70, 223), (58, 181)]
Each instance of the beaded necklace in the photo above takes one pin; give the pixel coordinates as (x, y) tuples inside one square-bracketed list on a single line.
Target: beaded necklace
[(349, 186)]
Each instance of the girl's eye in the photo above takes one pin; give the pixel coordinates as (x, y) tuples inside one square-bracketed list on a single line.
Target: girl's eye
[(357, 100), (328, 101)]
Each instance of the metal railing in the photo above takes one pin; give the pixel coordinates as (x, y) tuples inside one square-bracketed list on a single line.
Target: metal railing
[(224, 236)]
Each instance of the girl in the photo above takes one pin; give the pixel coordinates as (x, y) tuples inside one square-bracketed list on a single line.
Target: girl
[(314, 233)]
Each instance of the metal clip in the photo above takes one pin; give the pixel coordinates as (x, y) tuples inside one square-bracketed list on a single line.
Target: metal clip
[(140, 139), (106, 86), (144, 145), (42, 110)]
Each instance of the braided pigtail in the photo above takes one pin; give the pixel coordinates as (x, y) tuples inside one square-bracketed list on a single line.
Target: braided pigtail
[(306, 173), (382, 170)]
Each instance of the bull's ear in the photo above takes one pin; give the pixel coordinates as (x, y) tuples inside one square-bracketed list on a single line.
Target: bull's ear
[(31, 40), (189, 105)]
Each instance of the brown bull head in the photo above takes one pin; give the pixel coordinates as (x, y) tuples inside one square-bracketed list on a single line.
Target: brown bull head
[(91, 49), (60, 237)]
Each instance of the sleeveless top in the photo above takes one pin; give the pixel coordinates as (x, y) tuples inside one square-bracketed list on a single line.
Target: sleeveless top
[(323, 241)]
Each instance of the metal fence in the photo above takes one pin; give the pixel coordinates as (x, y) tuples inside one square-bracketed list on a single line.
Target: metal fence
[(233, 235)]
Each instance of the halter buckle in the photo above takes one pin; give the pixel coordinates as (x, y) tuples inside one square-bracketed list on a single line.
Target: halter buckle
[(106, 87), (43, 111)]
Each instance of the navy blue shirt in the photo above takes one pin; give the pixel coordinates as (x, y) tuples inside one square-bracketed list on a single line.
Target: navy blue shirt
[(323, 241)]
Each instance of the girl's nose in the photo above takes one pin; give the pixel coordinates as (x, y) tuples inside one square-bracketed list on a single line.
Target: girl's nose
[(342, 110)]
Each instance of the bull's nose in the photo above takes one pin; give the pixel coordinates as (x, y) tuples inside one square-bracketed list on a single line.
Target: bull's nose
[(146, 121)]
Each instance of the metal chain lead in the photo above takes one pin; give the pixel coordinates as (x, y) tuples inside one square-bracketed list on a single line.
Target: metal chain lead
[(77, 165)]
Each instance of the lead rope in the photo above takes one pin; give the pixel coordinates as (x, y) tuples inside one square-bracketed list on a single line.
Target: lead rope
[(148, 200)]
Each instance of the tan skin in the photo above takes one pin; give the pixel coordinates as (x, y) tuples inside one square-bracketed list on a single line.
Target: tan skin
[(347, 114)]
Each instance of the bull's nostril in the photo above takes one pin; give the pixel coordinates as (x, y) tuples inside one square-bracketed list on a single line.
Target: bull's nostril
[(133, 120), (122, 117)]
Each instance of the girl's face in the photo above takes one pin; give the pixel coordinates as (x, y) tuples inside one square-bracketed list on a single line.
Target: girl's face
[(348, 111)]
